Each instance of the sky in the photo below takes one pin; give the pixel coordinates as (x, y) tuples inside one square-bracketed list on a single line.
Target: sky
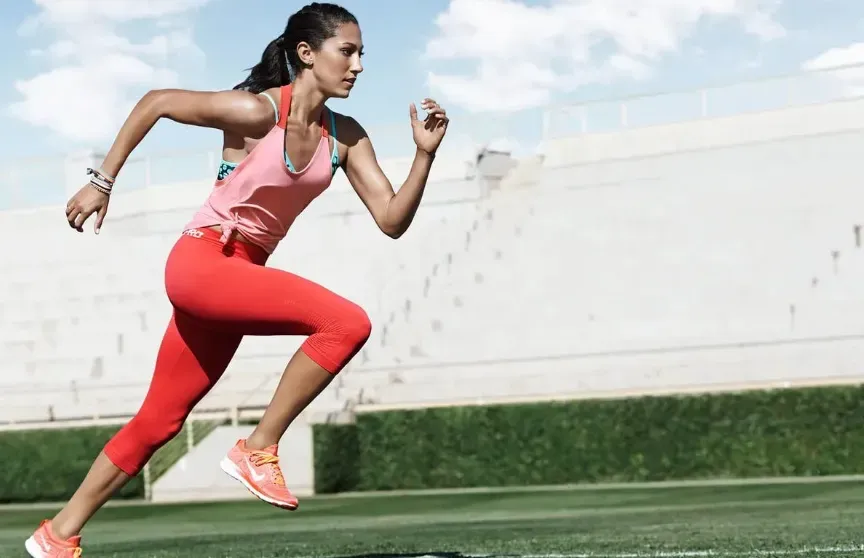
[(74, 68)]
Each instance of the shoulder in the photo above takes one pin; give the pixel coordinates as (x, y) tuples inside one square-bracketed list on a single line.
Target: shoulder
[(251, 108), (348, 131), (264, 105), (240, 113)]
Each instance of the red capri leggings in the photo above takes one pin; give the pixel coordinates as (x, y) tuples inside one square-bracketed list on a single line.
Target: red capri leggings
[(221, 293)]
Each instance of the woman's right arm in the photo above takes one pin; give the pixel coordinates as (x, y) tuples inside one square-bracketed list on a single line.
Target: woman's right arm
[(235, 112)]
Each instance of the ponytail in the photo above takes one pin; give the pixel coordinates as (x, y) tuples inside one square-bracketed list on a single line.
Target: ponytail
[(270, 72)]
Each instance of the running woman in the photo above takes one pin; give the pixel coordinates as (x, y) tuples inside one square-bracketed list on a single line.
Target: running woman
[(281, 149)]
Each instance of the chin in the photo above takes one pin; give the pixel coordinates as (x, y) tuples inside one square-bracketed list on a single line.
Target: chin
[(341, 91)]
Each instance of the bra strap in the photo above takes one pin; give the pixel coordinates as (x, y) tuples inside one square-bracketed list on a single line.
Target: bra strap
[(285, 108), (285, 105)]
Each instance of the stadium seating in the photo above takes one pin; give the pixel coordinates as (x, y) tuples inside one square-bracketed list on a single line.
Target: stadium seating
[(82, 315), (711, 254)]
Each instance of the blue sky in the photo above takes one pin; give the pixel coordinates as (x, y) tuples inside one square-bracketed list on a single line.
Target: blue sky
[(492, 63)]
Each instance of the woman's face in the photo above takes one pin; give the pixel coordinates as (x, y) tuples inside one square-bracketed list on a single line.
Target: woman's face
[(337, 64)]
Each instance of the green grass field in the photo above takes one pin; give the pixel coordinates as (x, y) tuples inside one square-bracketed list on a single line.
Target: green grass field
[(820, 519)]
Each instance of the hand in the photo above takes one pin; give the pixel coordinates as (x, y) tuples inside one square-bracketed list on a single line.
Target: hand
[(428, 133), (83, 204)]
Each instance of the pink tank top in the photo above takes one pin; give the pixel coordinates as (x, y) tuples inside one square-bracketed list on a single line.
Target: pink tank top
[(261, 197)]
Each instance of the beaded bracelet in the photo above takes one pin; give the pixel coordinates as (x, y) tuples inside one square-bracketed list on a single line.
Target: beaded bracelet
[(101, 182)]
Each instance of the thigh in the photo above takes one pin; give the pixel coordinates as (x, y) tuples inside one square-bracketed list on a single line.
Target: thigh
[(192, 357), (231, 294)]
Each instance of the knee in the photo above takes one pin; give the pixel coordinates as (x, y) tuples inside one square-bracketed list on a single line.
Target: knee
[(342, 337), (356, 326)]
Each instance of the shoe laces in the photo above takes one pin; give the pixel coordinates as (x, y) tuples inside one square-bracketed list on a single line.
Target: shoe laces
[(260, 458)]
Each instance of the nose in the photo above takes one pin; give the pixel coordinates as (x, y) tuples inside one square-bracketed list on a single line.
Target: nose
[(357, 66)]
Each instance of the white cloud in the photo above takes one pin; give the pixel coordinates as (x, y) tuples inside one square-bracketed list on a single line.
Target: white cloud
[(523, 53), (850, 81), (840, 56), (93, 69)]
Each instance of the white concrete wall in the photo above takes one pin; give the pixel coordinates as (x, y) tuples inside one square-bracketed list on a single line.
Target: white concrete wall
[(706, 255), (695, 255)]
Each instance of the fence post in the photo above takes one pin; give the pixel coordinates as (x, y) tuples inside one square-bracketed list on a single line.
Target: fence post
[(148, 483), (190, 437)]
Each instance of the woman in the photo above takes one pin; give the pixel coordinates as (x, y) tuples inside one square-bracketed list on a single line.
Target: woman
[(281, 148)]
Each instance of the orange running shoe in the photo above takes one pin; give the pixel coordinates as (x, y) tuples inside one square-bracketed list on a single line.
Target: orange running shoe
[(259, 472), (43, 544)]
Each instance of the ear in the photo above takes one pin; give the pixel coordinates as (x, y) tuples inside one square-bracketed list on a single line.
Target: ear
[(305, 53)]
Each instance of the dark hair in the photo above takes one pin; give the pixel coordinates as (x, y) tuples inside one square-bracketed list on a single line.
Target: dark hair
[(313, 24)]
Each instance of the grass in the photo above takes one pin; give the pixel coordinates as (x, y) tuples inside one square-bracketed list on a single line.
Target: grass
[(819, 519)]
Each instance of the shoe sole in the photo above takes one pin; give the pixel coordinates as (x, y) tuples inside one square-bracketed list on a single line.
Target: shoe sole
[(232, 471), (33, 548)]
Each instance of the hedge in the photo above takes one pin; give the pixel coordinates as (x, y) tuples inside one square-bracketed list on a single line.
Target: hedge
[(790, 432), (48, 465), (336, 456)]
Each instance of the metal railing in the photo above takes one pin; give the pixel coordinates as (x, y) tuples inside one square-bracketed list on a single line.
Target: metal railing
[(715, 101)]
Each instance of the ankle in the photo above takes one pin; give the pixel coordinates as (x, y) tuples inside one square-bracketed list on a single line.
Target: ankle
[(61, 531), (257, 441)]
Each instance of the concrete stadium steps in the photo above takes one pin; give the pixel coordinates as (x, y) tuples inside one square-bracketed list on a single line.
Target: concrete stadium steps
[(669, 258), (448, 246), (476, 248), (81, 331), (417, 266)]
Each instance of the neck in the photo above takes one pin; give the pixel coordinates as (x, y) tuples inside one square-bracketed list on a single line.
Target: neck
[(307, 102)]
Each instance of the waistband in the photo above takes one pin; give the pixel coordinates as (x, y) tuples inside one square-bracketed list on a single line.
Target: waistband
[(230, 246)]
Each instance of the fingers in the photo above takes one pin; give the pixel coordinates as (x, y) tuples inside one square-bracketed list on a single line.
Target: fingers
[(437, 118), (436, 115), (412, 111), (431, 106), (72, 215), (82, 205), (100, 217), (78, 217)]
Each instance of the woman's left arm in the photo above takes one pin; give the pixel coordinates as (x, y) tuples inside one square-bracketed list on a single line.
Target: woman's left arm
[(392, 211)]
